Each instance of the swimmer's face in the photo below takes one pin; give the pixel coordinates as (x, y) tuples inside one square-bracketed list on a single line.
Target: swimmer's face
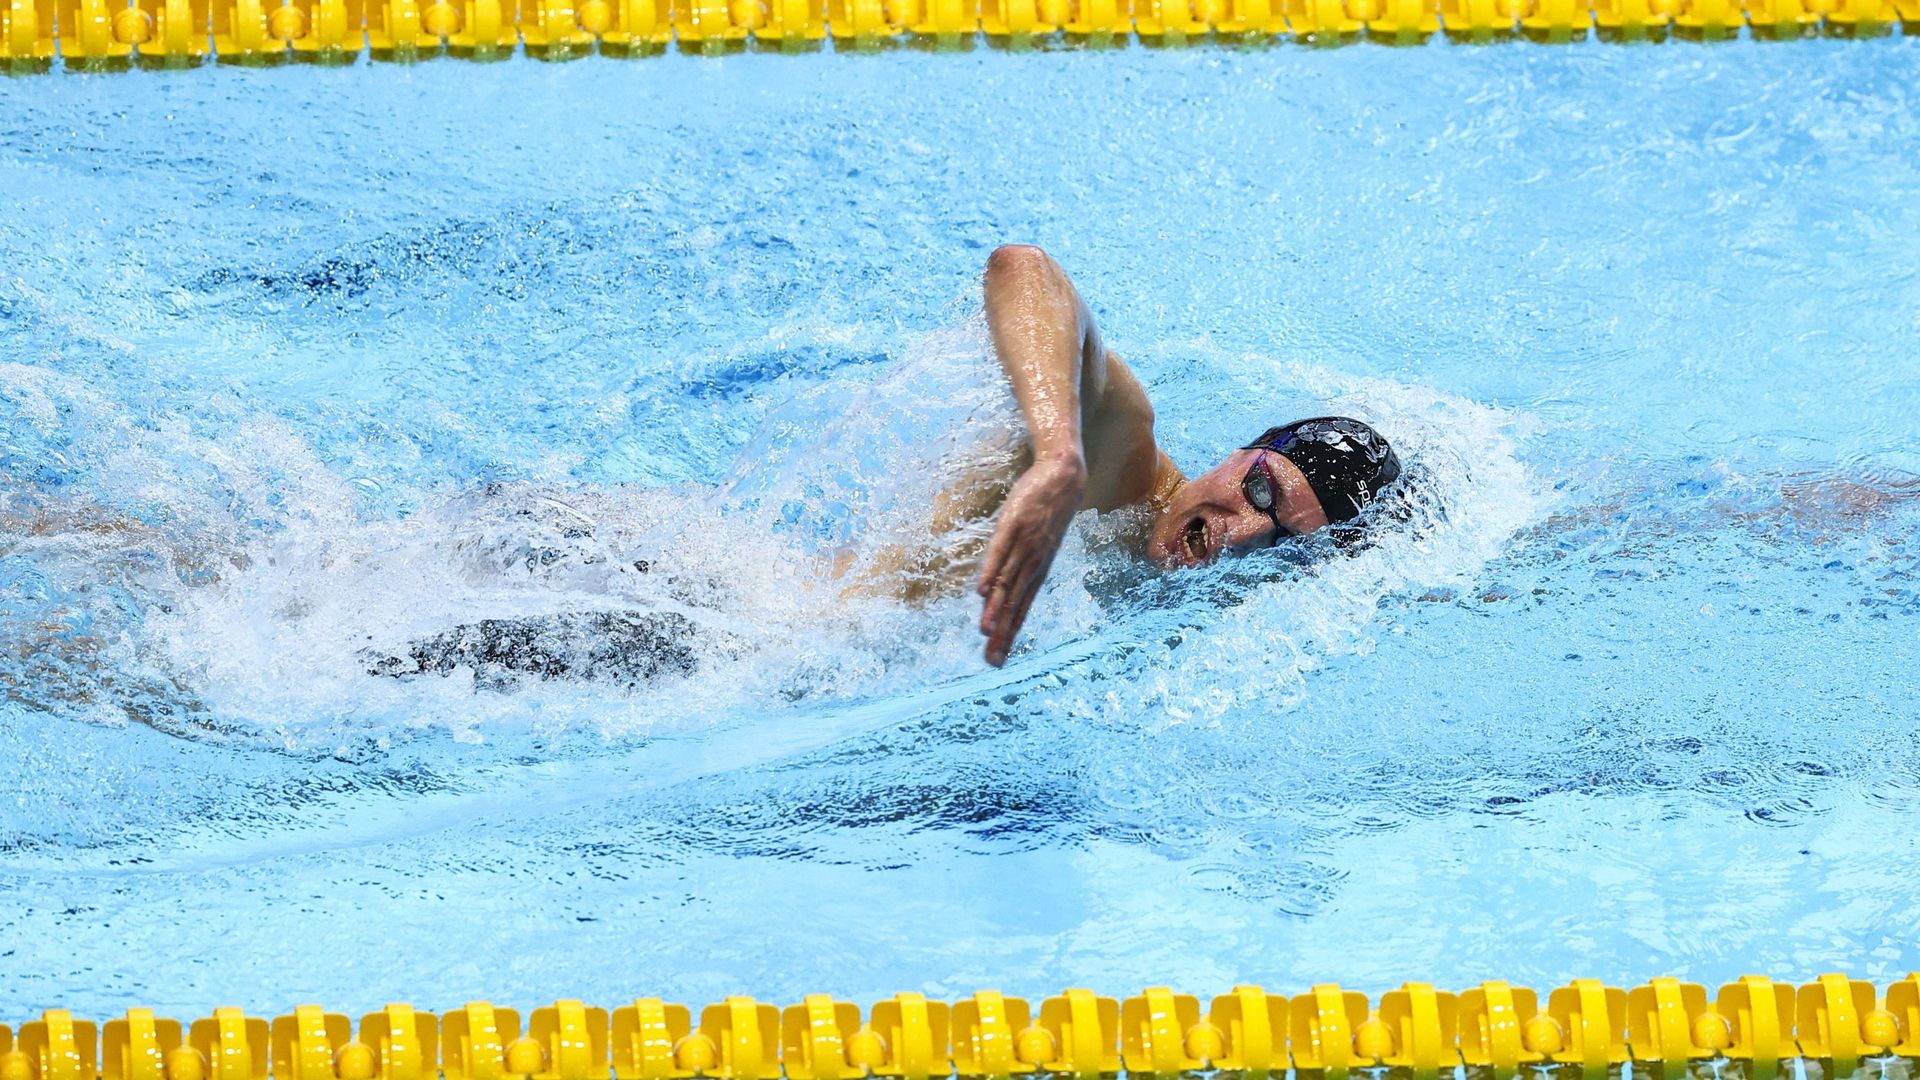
[(1216, 512)]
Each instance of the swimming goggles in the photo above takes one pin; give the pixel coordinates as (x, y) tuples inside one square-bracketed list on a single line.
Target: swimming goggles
[(1260, 492)]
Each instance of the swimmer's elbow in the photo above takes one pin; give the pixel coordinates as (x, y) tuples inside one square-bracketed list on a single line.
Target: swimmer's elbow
[(1014, 260), (1024, 277), (1023, 270)]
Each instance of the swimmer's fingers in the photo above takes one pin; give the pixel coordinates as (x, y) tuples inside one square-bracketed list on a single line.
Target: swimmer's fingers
[(1014, 603), (992, 565), (1006, 553), (1033, 521), (1000, 627), (1013, 582), (1000, 579), (1013, 540), (1000, 576)]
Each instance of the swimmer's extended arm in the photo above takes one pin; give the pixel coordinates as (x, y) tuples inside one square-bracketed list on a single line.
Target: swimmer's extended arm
[(1088, 421)]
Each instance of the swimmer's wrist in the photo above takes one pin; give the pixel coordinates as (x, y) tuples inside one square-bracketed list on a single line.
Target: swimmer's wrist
[(1067, 458)]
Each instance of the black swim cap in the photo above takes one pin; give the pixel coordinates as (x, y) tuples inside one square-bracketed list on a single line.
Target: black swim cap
[(1346, 461)]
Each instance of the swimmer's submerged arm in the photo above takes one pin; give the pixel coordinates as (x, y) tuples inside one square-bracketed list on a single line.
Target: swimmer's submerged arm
[(1089, 425)]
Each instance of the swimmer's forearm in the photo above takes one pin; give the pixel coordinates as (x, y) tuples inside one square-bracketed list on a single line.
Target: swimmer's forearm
[(1043, 335)]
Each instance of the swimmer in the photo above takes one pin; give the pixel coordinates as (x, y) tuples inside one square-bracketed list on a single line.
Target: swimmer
[(1090, 446), (1090, 436)]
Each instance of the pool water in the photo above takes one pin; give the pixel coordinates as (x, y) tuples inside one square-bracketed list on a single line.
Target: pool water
[(300, 365)]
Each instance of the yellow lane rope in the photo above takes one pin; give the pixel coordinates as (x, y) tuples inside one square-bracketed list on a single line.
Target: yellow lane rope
[(95, 34), (1753, 1028)]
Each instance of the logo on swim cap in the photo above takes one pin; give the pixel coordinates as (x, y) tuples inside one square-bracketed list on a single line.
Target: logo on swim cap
[(1346, 461)]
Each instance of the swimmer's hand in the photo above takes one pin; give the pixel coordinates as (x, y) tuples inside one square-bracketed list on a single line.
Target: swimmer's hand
[(1032, 523)]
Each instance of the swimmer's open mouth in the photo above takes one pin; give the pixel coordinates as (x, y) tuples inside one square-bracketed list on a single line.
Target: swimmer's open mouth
[(1195, 539)]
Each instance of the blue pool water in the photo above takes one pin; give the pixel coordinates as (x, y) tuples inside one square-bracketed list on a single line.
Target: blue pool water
[(306, 362)]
